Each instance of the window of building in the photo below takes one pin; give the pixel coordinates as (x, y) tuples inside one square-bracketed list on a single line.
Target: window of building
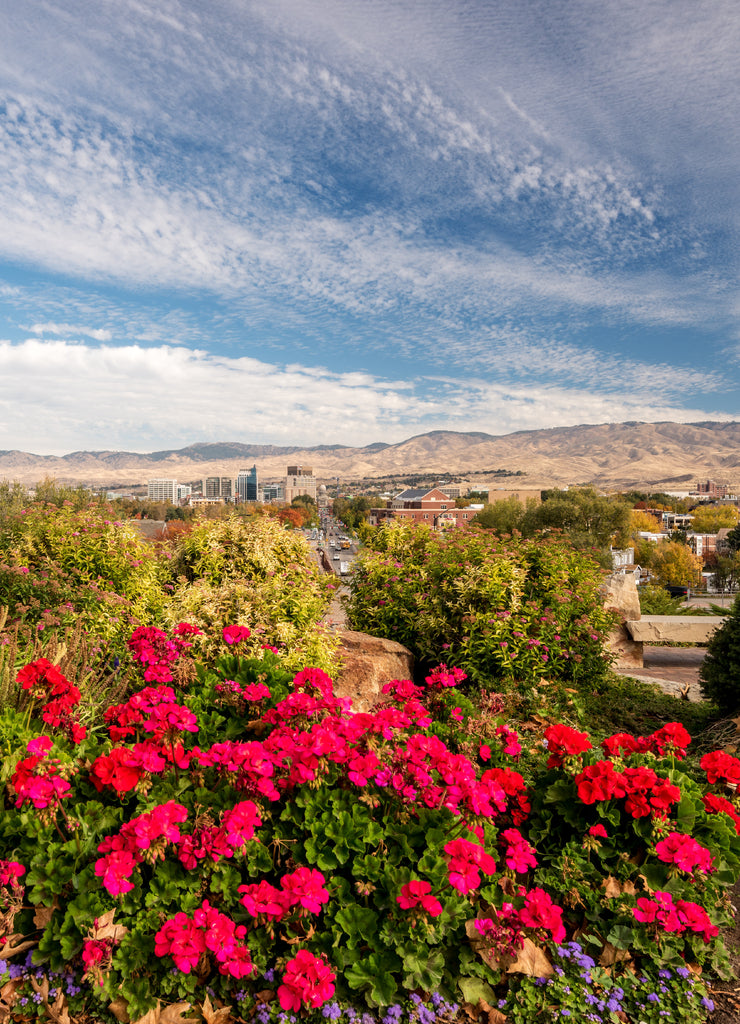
[(426, 515), (444, 506)]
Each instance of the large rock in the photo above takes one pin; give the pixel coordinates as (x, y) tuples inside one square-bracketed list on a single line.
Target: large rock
[(369, 662), (619, 593)]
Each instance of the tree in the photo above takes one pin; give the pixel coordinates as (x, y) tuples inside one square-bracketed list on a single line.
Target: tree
[(503, 516), (733, 538), (675, 565), (643, 522), (711, 518), (720, 670), (588, 517)]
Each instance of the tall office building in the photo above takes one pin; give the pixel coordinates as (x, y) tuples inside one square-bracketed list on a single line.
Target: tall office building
[(300, 480), (246, 484), (162, 490)]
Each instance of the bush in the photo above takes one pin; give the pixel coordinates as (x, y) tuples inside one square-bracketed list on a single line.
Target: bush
[(300, 852), (720, 671), (61, 565), (511, 610), (256, 573)]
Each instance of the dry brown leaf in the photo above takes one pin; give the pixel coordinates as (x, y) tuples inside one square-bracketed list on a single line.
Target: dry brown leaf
[(42, 989), (494, 1016), (215, 1016), (508, 886), (472, 1011), (8, 949), (612, 887), (611, 955), (531, 961), (646, 884), (266, 995), (737, 724), (151, 1016), (44, 914), (119, 1009), (629, 888), (105, 929), (58, 1009), (174, 1014)]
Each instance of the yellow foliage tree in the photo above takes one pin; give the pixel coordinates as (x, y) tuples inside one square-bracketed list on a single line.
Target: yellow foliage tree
[(643, 522), (713, 518), (675, 565)]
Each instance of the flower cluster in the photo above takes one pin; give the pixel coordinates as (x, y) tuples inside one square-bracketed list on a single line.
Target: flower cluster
[(308, 980), (143, 837), (418, 893), (719, 765), (465, 861), (37, 779), (216, 841), (676, 917), (303, 888), (684, 852), (562, 742), (187, 939), (58, 696), (158, 652), (644, 792), (235, 634)]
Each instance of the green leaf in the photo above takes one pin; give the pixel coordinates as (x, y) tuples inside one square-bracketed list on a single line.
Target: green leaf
[(476, 989)]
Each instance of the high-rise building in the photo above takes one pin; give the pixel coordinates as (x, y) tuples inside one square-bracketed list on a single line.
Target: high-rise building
[(300, 480), (246, 484), (212, 487), (227, 488), (162, 490), (272, 492)]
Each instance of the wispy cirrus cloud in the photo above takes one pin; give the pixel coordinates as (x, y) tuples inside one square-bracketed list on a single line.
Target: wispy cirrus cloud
[(538, 194)]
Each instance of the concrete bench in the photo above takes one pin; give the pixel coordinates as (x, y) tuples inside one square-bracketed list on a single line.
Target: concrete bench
[(672, 629)]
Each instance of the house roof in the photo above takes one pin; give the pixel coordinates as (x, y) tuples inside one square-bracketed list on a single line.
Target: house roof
[(416, 493)]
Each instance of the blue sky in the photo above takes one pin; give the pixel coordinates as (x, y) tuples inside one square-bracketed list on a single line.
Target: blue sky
[(347, 221)]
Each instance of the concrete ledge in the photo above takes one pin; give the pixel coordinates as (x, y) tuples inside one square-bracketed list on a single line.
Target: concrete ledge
[(676, 629)]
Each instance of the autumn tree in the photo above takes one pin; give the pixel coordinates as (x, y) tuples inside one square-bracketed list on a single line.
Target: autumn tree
[(675, 565), (711, 518)]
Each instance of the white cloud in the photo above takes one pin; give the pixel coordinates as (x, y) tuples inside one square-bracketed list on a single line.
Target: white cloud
[(70, 330), (145, 399)]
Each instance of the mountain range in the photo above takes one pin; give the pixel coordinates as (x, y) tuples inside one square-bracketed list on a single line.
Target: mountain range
[(616, 455)]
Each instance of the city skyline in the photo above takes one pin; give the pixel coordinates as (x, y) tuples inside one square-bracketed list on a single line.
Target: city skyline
[(323, 222)]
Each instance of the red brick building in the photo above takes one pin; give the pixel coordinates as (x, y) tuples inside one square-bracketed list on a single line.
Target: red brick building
[(434, 508)]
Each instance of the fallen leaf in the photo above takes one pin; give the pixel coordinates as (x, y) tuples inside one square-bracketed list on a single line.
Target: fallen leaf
[(611, 887), (531, 961), (494, 1016), (119, 1009), (173, 1014), (42, 989), (58, 1009), (7, 950), (104, 928), (151, 1016), (44, 914), (213, 1016), (611, 955)]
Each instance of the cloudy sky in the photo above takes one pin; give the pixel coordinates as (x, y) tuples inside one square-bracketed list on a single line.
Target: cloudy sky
[(347, 221)]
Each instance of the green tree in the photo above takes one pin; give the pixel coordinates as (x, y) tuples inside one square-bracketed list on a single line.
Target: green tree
[(503, 516), (588, 517)]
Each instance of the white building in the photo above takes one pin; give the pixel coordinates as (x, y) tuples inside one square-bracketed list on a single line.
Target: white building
[(162, 490), (300, 480)]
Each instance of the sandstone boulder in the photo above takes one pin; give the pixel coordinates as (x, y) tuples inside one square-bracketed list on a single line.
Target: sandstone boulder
[(369, 662), (619, 593)]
